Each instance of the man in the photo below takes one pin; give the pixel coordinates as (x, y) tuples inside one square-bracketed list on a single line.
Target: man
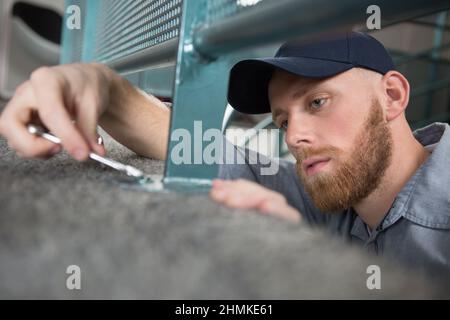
[(360, 171)]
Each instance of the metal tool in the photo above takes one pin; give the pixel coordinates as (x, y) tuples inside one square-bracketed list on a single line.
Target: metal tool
[(129, 170)]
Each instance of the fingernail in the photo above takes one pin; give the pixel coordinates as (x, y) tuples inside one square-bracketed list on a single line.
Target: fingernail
[(100, 150)]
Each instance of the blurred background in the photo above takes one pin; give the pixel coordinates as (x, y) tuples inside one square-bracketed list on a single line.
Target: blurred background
[(30, 36)]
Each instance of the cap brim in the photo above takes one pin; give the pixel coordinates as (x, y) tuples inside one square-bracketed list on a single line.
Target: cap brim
[(249, 79)]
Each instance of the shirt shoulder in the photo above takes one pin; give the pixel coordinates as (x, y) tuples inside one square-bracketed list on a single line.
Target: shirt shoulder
[(425, 199)]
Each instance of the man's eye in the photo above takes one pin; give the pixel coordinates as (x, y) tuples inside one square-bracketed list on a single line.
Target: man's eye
[(317, 103), (284, 125)]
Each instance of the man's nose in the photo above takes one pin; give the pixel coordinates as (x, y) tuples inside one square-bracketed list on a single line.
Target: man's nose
[(299, 134)]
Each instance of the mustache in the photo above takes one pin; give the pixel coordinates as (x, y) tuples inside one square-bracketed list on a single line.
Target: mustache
[(327, 151)]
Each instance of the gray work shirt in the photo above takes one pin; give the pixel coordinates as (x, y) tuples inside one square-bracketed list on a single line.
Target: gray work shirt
[(415, 231)]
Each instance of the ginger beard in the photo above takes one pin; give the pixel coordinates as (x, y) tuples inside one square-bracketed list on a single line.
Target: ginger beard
[(355, 175)]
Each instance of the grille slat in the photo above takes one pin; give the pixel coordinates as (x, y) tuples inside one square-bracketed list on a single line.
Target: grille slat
[(221, 9), (122, 27), (125, 27), (135, 25)]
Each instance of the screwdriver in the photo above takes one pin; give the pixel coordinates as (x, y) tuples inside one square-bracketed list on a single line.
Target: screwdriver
[(129, 170)]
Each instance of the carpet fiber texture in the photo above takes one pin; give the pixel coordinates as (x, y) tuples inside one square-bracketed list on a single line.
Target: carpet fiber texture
[(135, 244)]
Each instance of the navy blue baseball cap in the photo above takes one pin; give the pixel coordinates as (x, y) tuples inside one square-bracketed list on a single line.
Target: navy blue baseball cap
[(249, 79)]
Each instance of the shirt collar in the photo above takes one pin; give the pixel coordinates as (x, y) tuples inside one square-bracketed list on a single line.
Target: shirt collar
[(425, 198)]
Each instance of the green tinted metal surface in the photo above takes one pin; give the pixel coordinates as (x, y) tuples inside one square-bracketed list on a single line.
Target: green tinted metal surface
[(221, 9), (131, 36), (115, 29), (199, 96), (282, 19), (73, 40), (129, 26)]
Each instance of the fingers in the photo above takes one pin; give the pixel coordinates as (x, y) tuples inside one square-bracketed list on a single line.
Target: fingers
[(49, 94), (68, 101), (30, 146), (242, 194), (234, 200), (86, 120), (16, 115), (100, 146), (281, 210)]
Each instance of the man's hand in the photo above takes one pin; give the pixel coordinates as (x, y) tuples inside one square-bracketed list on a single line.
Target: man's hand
[(68, 101), (71, 100), (243, 194)]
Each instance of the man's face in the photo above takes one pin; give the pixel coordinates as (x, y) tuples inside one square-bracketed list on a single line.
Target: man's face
[(336, 130)]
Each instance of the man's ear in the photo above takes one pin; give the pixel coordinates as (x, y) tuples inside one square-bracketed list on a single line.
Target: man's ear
[(396, 89)]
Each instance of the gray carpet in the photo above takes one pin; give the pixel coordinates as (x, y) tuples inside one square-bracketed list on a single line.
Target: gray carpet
[(134, 244)]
